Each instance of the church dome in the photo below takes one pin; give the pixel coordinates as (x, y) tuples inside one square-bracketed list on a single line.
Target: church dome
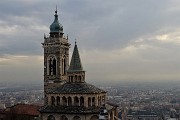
[(56, 26), (80, 88)]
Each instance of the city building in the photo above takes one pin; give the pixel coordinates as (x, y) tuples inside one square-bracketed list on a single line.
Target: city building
[(67, 95), (20, 112), (142, 115)]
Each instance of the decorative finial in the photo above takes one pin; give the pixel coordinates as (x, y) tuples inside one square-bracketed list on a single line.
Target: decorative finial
[(75, 41), (56, 9)]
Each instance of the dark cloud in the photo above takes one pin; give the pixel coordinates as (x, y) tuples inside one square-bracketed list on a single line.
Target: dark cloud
[(111, 23), (101, 26)]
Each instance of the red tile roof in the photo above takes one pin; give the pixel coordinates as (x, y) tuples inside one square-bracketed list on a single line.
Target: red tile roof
[(25, 109)]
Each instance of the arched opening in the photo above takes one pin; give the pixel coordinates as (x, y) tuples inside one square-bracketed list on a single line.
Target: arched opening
[(76, 101), (54, 66), (50, 66), (81, 101), (75, 78), (64, 101), (80, 78), (76, 118), (58, 100), (94, 117), (64, 67), (93, 101), (71, 78), (50, 117), (63, 118), (89, 101), (52, 100), (69, 101)]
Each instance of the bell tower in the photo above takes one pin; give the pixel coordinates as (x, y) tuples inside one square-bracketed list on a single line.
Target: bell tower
[(56, 56)]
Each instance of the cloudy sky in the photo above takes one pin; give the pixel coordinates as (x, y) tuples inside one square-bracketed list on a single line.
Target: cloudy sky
[(118, 40)]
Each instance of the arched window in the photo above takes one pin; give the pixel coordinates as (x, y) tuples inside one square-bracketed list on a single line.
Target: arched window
[(76, 118), (50, 66), (54, 66), (64, 101), (75, 78), (64, 67), (69, 101), (81, 101), (94, 117), (71, 78), (63, 118), (50, 117), (89, 101), (58, 100), (52, 100), (93, 101), (79, 78), (76, 101)]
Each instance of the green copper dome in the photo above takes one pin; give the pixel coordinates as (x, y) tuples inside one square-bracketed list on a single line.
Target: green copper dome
[(56, 26)]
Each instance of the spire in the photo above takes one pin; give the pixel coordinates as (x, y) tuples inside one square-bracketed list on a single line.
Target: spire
[(75, 64)]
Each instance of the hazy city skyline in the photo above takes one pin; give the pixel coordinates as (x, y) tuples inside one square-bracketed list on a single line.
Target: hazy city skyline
[(118, 40)]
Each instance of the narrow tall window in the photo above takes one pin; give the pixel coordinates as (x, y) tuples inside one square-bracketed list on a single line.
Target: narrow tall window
[(64, 101), (75, 78), (72, 79), (81, 101), (58, 100), (64, 66), (69, 101), (50, 69), (54, 66), (69, 78), (80, 78), (89, 101), (76, 101), (93, 101), (52, 100)]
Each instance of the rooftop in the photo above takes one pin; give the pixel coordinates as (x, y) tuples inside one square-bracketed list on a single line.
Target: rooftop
[(76, 88), (69, 109), (25, 109)]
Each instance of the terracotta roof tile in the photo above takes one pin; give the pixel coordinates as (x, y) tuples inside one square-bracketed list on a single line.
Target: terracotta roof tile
[(26, 109)]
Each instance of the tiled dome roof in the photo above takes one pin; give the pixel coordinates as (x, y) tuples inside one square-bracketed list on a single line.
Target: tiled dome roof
[(76, 88)]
